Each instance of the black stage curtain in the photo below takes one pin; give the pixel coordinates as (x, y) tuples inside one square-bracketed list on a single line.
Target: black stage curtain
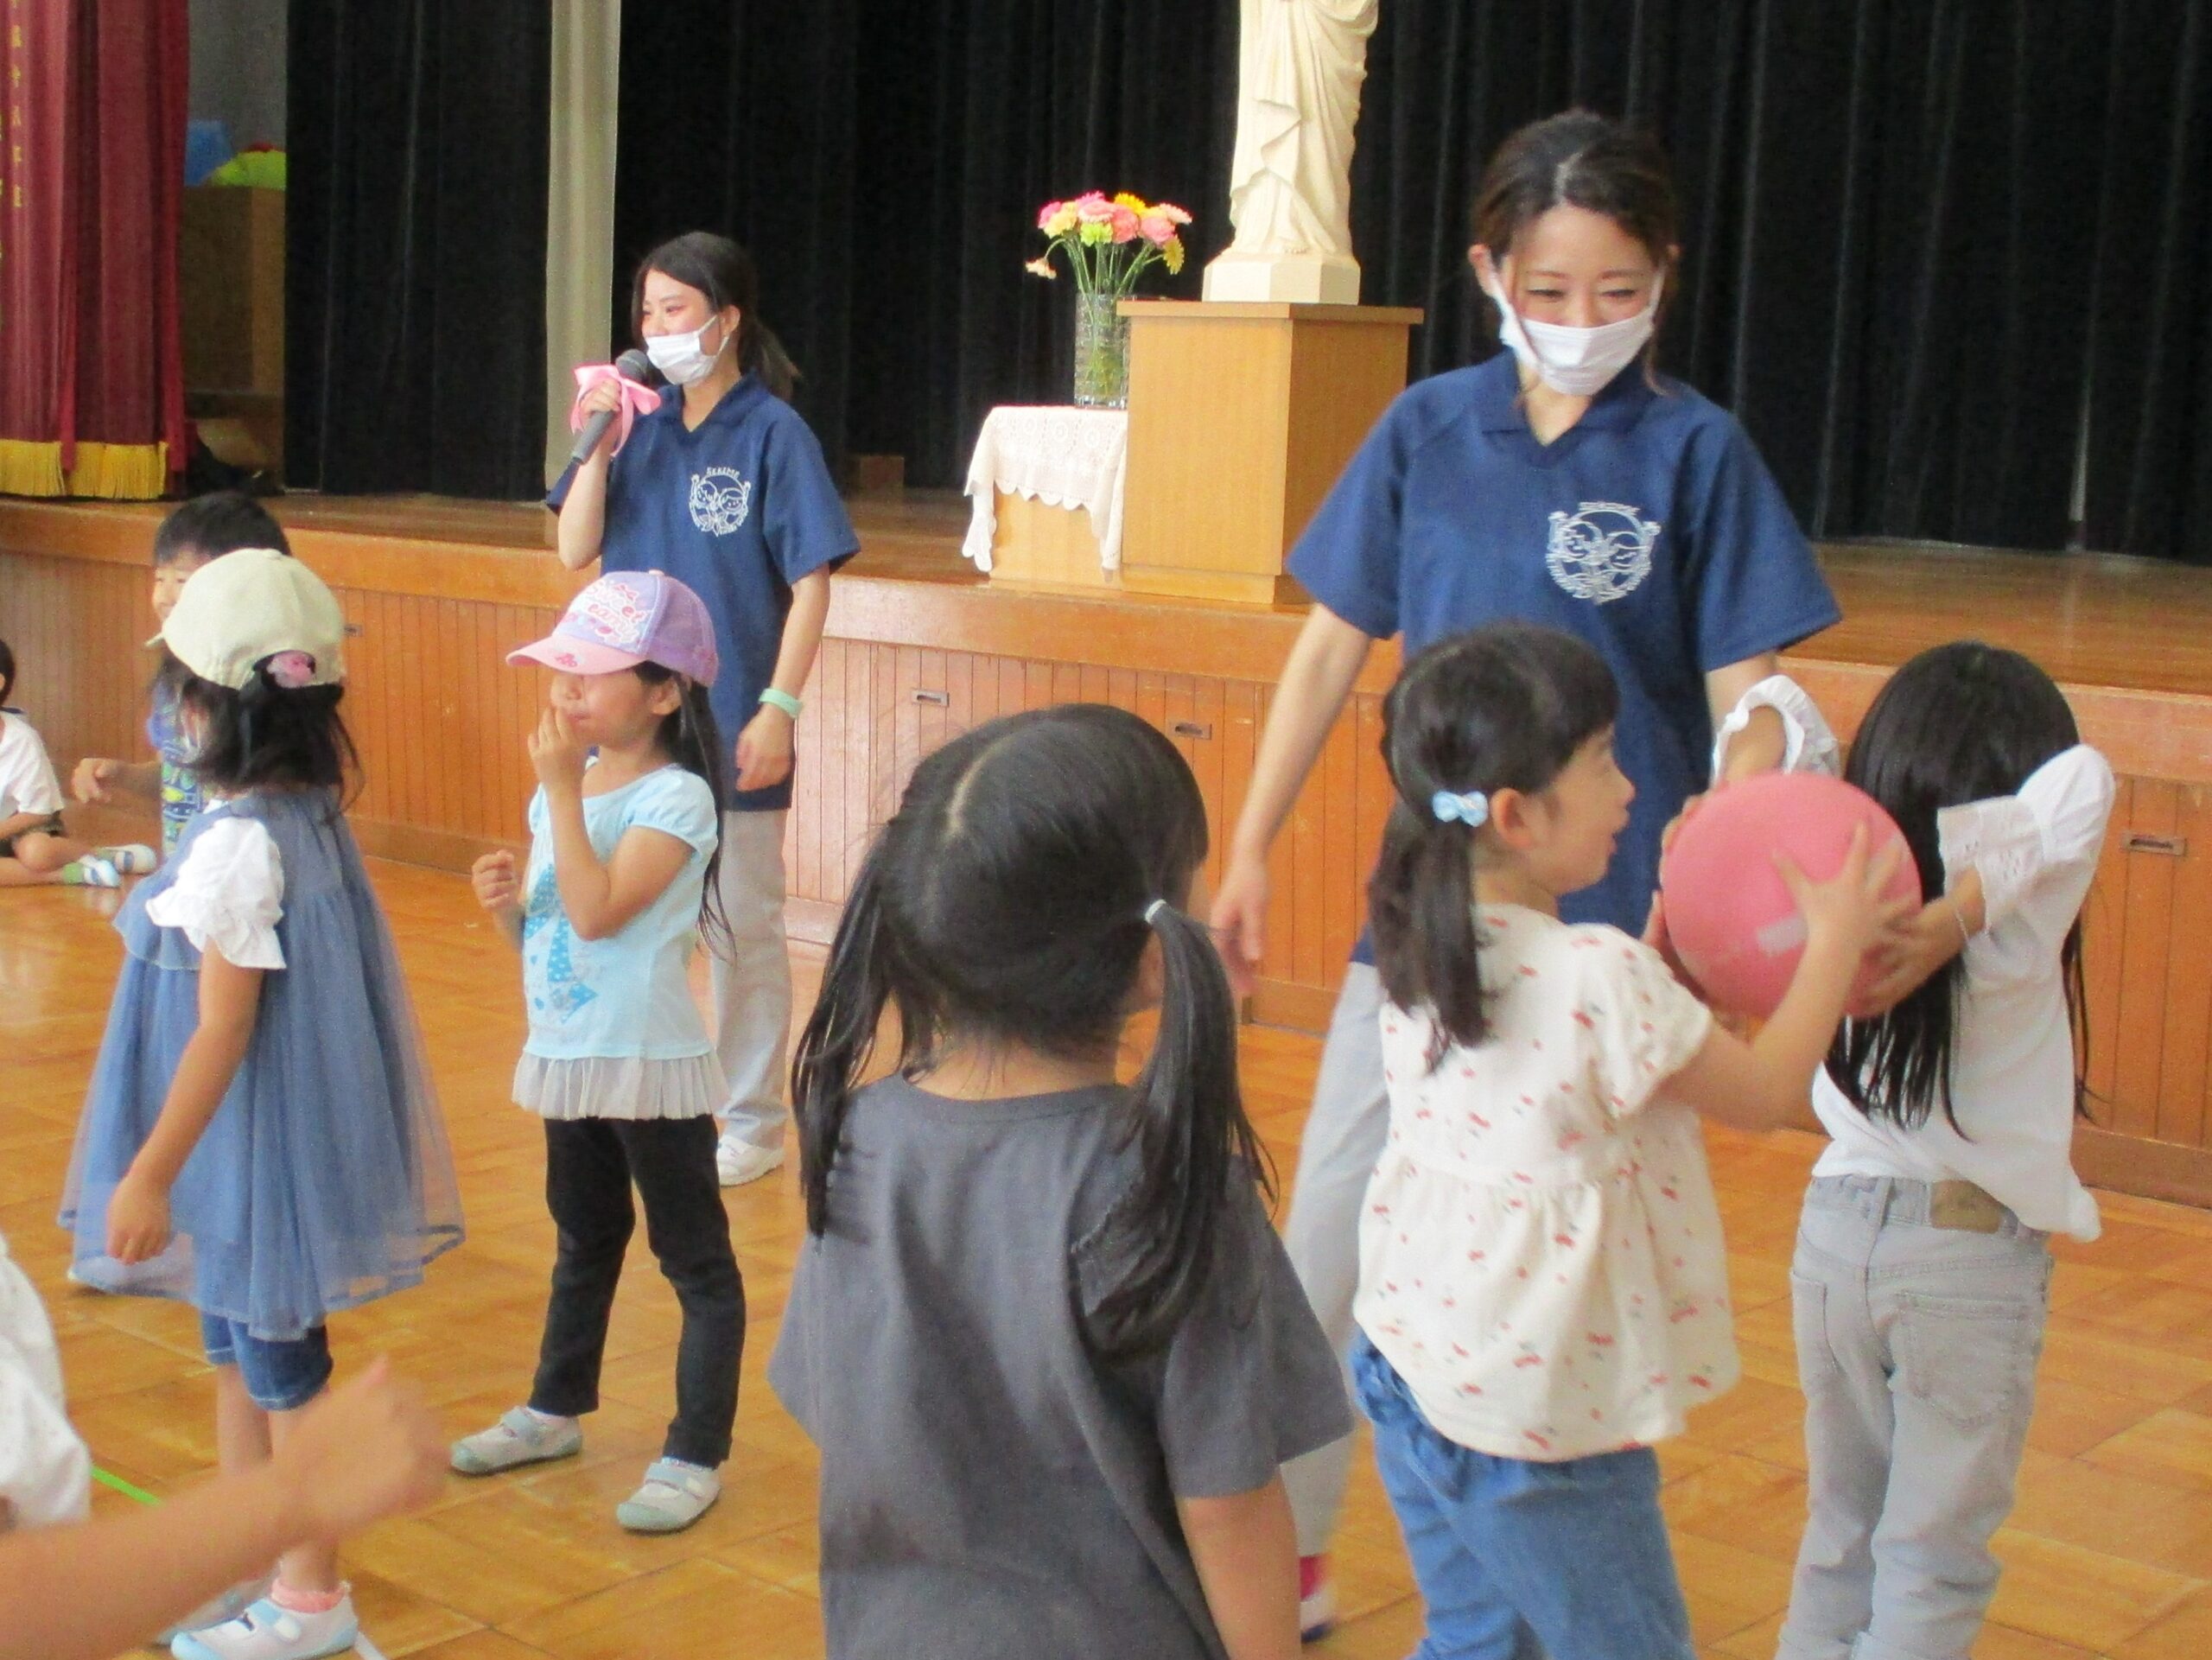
[(1886, 225), (415, 290), (742, 116), (883, 159), (2147, 293)]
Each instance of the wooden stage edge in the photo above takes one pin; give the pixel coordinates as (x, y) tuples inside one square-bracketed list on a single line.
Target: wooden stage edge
[(919, 647)]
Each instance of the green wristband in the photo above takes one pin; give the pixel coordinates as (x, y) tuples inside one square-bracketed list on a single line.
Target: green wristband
[(782, 700)]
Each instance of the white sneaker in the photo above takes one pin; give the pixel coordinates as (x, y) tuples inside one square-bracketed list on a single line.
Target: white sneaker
[(266, 1632), (131, 858), (520, 1437), (674, 1495), (739, 1162)]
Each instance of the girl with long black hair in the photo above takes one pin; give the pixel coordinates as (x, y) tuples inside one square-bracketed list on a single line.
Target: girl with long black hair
[(1040, 1328), (1922, 1273)]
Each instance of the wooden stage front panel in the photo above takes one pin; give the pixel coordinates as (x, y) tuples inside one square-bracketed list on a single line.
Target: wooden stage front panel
[(918, 649)]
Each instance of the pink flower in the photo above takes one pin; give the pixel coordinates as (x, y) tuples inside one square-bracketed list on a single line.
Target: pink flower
[(1093, 208), (1157, 228), (1170, 212), (1045, 214), (1041, 268), (1125, 223)]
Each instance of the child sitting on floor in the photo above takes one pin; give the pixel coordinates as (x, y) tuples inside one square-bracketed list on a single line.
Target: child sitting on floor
[(36, 846)]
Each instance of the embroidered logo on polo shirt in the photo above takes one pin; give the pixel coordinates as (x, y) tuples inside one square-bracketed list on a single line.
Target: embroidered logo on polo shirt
[(1602, 551), (721, 499)]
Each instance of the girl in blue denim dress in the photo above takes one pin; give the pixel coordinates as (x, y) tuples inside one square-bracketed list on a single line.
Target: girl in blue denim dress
[(261, 1139)]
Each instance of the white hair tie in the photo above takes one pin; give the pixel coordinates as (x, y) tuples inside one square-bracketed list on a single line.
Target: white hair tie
[(1151, 912)]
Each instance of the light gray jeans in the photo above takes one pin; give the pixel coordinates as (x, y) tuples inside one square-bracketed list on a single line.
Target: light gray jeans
[(1344, 1136), (1916, 1347), (752, 979)]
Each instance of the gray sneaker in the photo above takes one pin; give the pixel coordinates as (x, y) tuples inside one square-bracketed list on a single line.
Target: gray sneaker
[(521, 1437), (674, 1495)]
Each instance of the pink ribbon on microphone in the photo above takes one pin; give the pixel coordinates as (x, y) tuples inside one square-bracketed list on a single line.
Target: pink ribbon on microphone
[(637, 400)]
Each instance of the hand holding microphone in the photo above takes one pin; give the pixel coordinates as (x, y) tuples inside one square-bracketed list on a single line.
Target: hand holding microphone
[(603, 401)]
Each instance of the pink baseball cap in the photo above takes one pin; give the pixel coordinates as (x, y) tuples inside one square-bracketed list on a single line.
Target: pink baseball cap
[(632, 617)]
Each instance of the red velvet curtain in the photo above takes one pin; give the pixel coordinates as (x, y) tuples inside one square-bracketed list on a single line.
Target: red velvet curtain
[(91, 373)]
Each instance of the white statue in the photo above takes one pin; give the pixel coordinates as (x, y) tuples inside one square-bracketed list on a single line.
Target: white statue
[(1300, 63)]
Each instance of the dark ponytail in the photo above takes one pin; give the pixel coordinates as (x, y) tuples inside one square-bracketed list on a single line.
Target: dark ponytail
[(689, 736), (1010, 902), (1503, 708), (725, 273)]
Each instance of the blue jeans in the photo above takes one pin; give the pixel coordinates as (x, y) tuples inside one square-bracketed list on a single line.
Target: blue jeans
[(1518, 1560), (279, 1377)]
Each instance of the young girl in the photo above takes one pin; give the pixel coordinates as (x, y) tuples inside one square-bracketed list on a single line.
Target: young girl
[(1922, 1271), (35, 846), (1040, 1329), (724, 487), (205, 528), (621, 876), (1544, 1291), (260, 1140), (1562, 481)]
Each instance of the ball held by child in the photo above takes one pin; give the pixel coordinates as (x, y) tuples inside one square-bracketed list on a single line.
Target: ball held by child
[(1731, 919)]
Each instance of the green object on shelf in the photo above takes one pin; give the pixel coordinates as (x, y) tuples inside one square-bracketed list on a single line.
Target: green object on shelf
[(262, 169)]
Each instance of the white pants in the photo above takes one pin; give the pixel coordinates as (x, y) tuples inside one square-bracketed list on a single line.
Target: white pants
[(753, 978), (1344, 1136)]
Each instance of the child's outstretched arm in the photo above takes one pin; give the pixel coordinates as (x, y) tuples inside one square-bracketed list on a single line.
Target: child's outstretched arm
[(97, 778), (369, 1450), (230, 1001), (601, 899), (1760, 1083), (1246, 1550)]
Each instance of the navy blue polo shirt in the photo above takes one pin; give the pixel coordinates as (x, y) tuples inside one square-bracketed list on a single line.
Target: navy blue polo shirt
[(1650, 529), (738, 509)]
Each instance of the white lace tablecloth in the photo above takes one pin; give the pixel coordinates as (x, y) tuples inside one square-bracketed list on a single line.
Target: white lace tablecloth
[(1059, 455)]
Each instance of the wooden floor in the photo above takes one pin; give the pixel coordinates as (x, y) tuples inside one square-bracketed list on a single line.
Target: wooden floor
[(2110, 1552)]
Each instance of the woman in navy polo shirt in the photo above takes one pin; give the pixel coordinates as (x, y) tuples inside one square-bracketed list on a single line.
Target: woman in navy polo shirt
[(723, 487), (1561, 481)]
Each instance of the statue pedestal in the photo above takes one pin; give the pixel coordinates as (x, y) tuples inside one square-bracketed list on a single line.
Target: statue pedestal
[(1240, 418), (1294, 279)]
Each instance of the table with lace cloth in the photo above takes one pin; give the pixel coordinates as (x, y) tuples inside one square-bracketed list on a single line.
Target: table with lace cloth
[(1059, 454)]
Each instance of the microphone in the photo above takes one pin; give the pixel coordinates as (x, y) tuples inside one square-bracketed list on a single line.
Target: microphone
[(632, 365)]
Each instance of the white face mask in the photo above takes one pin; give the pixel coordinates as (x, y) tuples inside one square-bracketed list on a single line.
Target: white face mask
[(1579, 362), (678, 358)]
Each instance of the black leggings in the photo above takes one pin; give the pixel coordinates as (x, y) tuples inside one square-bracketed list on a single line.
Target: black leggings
[(590, 1165)]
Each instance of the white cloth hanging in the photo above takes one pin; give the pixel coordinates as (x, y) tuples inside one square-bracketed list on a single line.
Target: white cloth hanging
[(1059, 455)]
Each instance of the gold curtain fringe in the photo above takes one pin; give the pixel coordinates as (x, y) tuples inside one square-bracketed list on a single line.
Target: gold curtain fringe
[(108, 472)]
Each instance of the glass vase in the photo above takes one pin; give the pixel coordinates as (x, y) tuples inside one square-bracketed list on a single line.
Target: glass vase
[(1102, 352)]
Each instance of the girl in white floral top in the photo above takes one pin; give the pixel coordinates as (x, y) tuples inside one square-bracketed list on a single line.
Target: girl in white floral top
[(1543, 1287)]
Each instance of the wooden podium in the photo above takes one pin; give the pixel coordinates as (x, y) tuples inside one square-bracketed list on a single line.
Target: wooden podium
[(1241, 418)]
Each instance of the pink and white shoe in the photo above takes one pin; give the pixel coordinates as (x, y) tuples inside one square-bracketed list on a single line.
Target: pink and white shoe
[(1317, 1600)]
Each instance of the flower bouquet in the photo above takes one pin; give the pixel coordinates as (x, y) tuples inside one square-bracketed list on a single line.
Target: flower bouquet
[(1109, 244)]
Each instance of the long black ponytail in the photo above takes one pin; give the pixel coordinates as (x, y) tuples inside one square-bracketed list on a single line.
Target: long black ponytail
[(1501, 708), (1010, 902)]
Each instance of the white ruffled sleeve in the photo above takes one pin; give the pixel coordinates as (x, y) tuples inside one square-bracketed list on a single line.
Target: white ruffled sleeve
[(229, 894), (2036, 851), (1807, 744)]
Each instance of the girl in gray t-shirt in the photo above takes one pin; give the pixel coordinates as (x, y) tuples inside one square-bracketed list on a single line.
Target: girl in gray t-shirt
[(1041, 1330)]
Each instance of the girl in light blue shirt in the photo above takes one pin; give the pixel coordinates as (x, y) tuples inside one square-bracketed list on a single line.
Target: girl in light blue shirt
[(619, 882)]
